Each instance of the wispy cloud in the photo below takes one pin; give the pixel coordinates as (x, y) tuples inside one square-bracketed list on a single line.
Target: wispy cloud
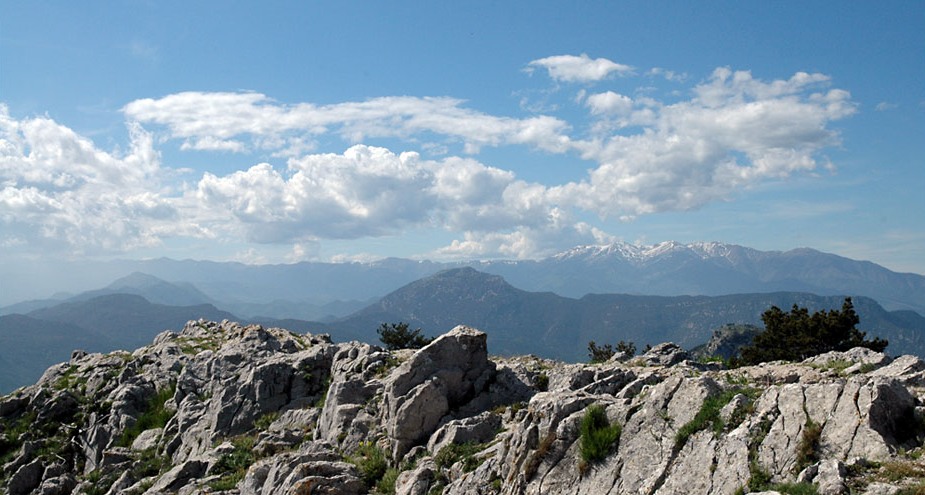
[(885, 105)]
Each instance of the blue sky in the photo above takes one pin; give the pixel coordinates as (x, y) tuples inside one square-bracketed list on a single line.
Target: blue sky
[(277, 132)]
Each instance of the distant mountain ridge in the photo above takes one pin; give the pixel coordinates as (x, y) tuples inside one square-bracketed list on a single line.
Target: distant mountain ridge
[(517, 321), (314, 290), (550, 325)]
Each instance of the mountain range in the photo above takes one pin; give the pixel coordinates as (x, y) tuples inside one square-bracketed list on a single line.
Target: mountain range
[(553, 326), (517, 321), (323, 291)]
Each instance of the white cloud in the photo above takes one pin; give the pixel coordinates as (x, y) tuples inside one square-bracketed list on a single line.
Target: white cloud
[(669, 75), (735, 132), (61, 192), (730, 132), (886, 105), (610, 103), (580, 69), (219, 121)]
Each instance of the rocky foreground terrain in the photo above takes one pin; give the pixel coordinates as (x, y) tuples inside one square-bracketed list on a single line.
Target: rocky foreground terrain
[(226, 408)]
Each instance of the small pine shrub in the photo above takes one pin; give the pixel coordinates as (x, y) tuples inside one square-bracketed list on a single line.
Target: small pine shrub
[(386, 486), (598, 437)]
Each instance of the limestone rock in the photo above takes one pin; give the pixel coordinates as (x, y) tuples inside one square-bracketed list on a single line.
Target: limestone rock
[(294, 409), (665, 354), (443, 376)]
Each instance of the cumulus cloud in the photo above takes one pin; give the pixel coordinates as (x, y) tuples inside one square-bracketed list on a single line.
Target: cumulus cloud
[(579, 69), (609, 103), (60, 190), (368, 191), (730, 132), (735, 132)]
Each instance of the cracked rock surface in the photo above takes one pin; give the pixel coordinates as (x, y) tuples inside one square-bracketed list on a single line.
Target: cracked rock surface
[(220, 407)]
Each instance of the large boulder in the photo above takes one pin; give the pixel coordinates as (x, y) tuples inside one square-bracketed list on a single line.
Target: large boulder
[(439, 378)]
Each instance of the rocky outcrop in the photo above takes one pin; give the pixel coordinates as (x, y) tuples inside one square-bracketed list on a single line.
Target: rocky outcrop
[(223, 407)]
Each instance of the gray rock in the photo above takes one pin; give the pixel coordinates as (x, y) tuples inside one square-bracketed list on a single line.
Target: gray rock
[(444, 375), (178, 476), (58, 485), (26, 478), (416, 481), (829, 476), (475, 429), (407, 402), (147, 439), (666, 354)]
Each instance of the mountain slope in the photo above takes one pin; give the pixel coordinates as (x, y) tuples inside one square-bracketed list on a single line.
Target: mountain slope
[(558, 327), (666, 269), (712, 269), (28, 346), (127, 320)]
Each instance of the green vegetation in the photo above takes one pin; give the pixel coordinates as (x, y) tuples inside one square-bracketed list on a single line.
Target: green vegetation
[(601, 354), (371, 462), (598, 437), (150, 462), (708, 415), (398, 336), (388, 365), (11, 433), (264, 422), (68, 380), (195, 345), (155, 415), (386, 486), (797, 335), (808, 448), (233, 466), (542, 382), (460, 452), (759, 478)]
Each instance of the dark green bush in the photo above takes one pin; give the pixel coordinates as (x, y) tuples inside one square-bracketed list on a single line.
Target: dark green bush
[(398, 336), (371, 462), (598, 437), (797, 335), (456, 452)]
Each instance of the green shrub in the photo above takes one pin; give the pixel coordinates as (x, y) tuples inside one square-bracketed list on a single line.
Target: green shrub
[(371, 462), (599, 354), (233, 466), (706, 417), (264, 422), (542, 382), (808, 448), (598, 437), (398, 336), (797, 335), (456, 452), (386, 485), (149, 463), (155, 415)]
